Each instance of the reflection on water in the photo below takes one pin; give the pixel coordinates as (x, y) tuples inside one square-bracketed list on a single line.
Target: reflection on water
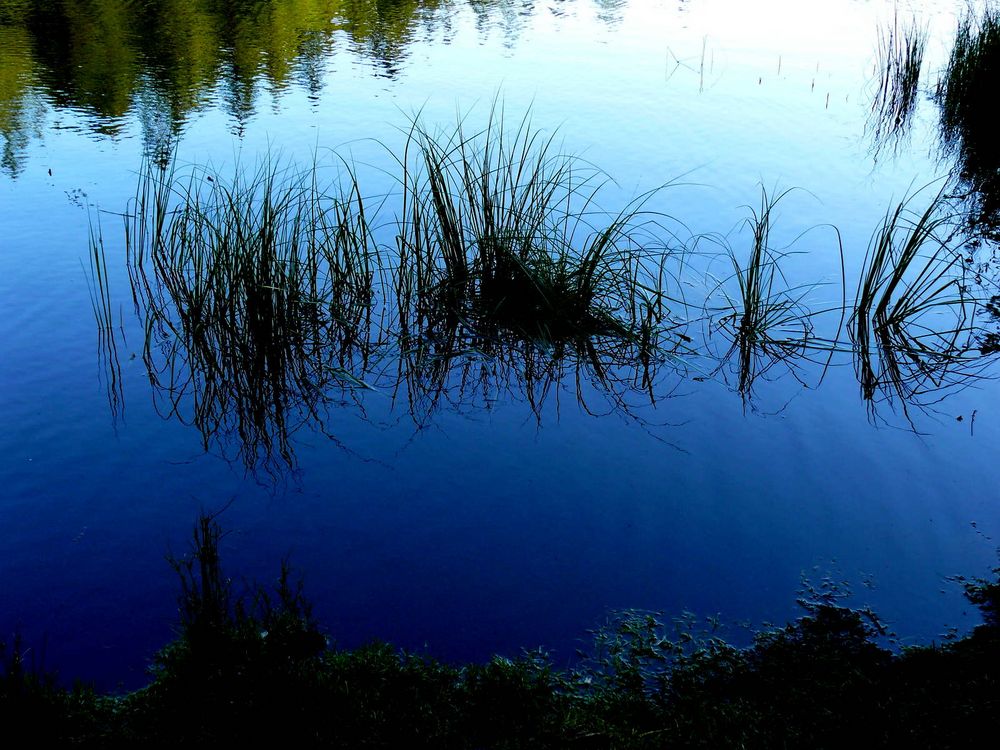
[(962, 93), (267, 303), (968, 119), (21, 111), (109, 324), (161, 61), (769, 324), (270, 306), (918, 314), (164, 60), (900, 58), (256, 299)]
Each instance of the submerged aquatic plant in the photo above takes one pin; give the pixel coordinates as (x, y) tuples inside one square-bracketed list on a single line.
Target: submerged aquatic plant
[(966, 94), (900, 56), (257, 296), (913, 325)]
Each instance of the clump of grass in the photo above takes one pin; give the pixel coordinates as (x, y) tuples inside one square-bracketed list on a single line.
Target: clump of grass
[(913, 323), (257, 293), (510, 275), (508, 230), (968, 123), (899, 60), (765, 317), (262, 291)]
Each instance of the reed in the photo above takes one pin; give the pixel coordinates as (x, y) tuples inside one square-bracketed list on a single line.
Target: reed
[(967, 120), (266, 296), (766, 318), (257, 294), (109, 332), (510, 231), (899, 61), (913, 322), (512, 279), (262, 291)]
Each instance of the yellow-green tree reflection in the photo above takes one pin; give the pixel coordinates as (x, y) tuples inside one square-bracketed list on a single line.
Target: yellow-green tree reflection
[(161, 60)]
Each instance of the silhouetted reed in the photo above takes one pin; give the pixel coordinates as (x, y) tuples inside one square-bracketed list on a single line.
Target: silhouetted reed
[(900, 55), (263, 296), (509, 271), (966, 94), (510, 232), (108, 331), (766, 319), (257, 297), (913, 326), (266, 297)]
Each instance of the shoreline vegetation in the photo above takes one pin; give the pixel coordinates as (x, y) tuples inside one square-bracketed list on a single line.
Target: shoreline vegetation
[(257, 667)]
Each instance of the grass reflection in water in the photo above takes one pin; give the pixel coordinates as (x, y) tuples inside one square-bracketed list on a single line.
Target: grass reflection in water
[(269, 297)]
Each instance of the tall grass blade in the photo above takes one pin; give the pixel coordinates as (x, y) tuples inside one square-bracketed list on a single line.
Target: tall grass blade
[(766, 319), (108, 331)]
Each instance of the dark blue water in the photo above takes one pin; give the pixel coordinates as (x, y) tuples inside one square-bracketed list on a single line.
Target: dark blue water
[(483, 525)]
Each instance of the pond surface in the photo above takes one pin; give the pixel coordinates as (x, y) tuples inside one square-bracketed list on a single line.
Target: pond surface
[(514, 495)]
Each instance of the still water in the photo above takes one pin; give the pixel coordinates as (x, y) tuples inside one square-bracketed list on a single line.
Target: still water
[(498, 509)]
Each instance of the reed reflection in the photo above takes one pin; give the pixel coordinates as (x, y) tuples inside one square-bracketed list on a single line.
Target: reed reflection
[(968, 120), (268, 302), (274, 299), (768, 322), (255, 294), (918, 314)]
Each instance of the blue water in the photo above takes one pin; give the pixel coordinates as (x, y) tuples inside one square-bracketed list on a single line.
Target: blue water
[(488, 527)]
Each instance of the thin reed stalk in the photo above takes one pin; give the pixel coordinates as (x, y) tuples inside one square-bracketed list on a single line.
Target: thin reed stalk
[(108, 331)]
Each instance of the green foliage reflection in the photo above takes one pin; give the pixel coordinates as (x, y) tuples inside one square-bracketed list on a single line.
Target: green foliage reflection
[(161, 60)]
